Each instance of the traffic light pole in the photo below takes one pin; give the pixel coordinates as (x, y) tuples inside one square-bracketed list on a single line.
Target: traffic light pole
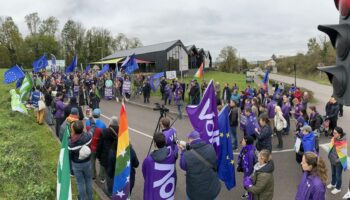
[(295, 75)]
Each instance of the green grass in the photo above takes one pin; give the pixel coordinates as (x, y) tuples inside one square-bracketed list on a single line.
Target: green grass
[(28, 154), (317, 77)]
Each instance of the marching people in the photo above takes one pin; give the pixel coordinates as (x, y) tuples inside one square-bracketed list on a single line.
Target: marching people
[(233, 116), (59, 112), (264, 134), (73, 104), (338, 158), (79, 155), (261, 183), (146, 90), (199, 160), (313, 182), (280, 124), (96, 135), (155, 167), (332, 111), (72, 117), (246, 159), (109, 137)]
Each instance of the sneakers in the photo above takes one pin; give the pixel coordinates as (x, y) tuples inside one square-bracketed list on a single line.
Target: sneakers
[(330, 186), (335, 191), (245, 195)]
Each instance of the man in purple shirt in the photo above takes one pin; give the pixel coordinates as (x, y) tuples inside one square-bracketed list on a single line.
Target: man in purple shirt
[(159, 171), (271, 112), (286, 108), (170, 135)]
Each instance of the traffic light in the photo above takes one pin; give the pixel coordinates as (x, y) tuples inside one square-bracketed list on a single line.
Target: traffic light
[(339, 35)]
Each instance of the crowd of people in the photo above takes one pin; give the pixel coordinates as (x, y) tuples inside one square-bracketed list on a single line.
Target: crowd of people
[(73, 101)]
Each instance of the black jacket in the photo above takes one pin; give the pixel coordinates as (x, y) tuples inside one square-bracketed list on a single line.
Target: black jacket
[(75, 145), (264, 138), (146, 89), (134, 163), (202, 182), (68, 108), (332, 111), (315, 121), (234, 116), (228, 94), (105, 143)]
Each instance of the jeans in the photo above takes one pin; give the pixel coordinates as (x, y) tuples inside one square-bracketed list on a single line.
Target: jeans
[(233, 132), (93, 162), (337, 171), (82, 172), (287, 129), (279, 137)]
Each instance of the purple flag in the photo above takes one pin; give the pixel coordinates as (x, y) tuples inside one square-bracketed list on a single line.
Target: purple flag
[(204, 117), (160, 176)]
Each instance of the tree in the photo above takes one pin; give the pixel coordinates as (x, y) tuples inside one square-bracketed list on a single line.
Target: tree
[(227, 60), (11, 39), (73, 41), (49, 26), (33, 21), (313, 46), (99, 43)]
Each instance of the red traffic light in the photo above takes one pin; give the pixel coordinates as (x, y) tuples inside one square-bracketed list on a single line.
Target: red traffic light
[(343, 6)]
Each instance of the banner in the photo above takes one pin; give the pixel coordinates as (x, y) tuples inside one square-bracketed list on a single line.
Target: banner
[(204, 117), (170, 74)]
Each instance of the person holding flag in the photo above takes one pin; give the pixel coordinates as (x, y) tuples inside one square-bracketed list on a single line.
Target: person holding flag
[(125, 160), (79, 154), (159, 171)]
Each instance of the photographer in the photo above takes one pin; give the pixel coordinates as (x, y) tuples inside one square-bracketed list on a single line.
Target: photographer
[(170, 135), (198, 159)]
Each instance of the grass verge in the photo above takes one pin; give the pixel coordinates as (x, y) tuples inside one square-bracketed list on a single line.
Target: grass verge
[(28, 154)]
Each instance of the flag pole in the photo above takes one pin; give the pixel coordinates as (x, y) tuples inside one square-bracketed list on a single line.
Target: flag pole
[(81, 67)]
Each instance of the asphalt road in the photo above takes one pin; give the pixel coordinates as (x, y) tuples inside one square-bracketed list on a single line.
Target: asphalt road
[(142, 122)]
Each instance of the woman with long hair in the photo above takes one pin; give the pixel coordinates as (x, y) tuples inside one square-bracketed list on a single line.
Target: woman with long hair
[(280, 124), (313, 183)]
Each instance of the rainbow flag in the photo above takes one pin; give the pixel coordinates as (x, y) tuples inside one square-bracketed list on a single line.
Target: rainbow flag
[(121, 186), (199, 73), (341, 148)]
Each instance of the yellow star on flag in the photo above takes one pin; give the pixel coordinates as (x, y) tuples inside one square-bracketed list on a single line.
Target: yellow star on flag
[(221, 135)]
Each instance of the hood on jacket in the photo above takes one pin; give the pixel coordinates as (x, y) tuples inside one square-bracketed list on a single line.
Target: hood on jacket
[(160, 154), (268, 168)]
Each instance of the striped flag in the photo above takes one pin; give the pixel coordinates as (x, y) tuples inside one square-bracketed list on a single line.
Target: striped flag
[(26, 87), (199, 73), (64, 190), (121, 187)]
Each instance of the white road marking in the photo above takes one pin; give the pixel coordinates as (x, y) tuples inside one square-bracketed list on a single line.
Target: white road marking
[(325, 147), (131, 129)]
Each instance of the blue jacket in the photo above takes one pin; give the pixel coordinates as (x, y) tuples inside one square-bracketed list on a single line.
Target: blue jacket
[(309, 142)]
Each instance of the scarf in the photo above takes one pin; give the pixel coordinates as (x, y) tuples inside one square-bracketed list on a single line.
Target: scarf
[(341, 147)]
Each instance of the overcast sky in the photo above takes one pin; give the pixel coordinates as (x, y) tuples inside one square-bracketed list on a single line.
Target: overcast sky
[(256, 28)]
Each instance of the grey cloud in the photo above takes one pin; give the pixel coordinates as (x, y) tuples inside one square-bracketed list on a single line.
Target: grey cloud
[(257, 29)]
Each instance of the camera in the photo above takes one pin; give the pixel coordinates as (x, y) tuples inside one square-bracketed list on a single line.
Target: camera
[(161, 108)]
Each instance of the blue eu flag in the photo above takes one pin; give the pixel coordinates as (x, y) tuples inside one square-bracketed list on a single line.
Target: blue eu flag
[(155, 77), (104, 69), (87, 69), (226, 168), (130, 64), (13, 74), (39, 64), (71, 67)]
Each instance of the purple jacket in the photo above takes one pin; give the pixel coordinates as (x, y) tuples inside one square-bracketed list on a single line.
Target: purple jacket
[(286, 110), (298, 108), (59, 109), (271, 109), (159, 172), (251, 124), (170, 135), (247, 159), (311, 188)]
